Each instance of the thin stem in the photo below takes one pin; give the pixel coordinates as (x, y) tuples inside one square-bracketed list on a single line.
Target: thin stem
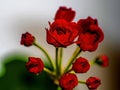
[(82, 82), (57, 58), (74, 56), (69, 71), (59, 88), (46, 54), (48, 71), (92, 62), (60, 62)]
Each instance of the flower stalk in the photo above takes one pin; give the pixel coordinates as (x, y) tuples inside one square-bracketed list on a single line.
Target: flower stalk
[(59, 55), (92, 62), (82, 82), (48, 71), (46, 54), (74, 56), (59, 88), (60, 60), (57, 61)]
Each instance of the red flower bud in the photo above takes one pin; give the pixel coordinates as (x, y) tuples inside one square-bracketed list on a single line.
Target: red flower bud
[(93, 83), (65, 13), (68, 81), (102, 60), (27, 39), (90, 34), (81, 65), (35, 65)]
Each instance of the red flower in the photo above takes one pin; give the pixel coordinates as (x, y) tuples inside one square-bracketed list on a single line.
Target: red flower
[(90, 34), (81, 65), (65, 13), (62, 33), (27, 39), (102, 60), (68, 81), (35, 65), (93, 83)]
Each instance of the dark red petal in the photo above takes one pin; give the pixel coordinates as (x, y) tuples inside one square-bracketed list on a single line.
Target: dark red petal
[(65, 13)]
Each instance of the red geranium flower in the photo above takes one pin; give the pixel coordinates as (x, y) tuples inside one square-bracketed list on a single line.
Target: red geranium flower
[(102, 60), (27, 39), (62, 33), (81, 65), (65, 13), (93, 83), (35, 65), (90, 34), (68, 81)]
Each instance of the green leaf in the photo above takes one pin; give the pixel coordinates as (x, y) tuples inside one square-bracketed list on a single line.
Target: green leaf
[(17, 77)]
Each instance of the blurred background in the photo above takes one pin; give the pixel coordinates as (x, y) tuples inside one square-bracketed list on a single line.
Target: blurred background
[(19, 16)]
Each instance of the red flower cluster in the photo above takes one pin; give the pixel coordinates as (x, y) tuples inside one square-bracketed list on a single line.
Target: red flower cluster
[(81, 65), (27, 39), (93, 83), (63, 31), (68, 81), (85, 33), (102, 60), (35, 65)]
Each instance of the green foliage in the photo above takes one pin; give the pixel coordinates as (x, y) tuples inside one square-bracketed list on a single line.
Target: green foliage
[(18, 78)]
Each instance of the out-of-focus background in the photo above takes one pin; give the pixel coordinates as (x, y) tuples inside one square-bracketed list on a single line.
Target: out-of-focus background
[(19, 16)]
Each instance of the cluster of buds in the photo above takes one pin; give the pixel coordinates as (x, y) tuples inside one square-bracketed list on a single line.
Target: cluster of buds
[(85, 34)]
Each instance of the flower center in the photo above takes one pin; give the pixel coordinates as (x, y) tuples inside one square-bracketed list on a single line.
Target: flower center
[(60, 30), (33, 65)]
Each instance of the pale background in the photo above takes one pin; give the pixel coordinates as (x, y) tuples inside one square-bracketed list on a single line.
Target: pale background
[(19, 16)]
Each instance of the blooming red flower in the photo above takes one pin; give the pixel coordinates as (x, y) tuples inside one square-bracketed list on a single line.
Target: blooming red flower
[(62, 33), (81, 65), (68, 81), (35, 65), (102, 60), (90, 34), (93, 83), (65, 13), (27, 39)]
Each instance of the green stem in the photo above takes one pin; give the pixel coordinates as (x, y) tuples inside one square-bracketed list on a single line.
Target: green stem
[(59, 88), (82, 82), (74, 56), (92, 62), (46, 54), (48, 71), (57, 58), (60, 62), (59, 54), (68, 71)]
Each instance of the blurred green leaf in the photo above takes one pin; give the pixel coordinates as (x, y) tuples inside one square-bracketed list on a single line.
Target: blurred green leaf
[(18, 78)]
